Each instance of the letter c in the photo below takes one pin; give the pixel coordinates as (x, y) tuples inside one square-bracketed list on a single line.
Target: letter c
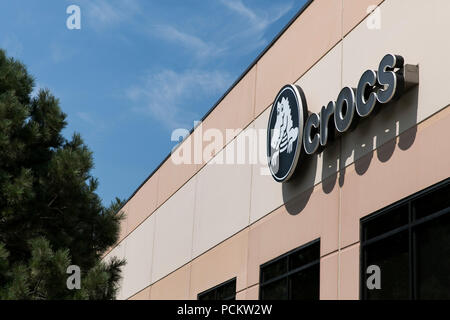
[(311, 143)]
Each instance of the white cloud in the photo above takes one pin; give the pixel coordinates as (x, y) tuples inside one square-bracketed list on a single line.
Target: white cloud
[(257, 22), (60, 53), (239, 7), (103, 14), (200, 47), (86, 117), (91, 120), (166, 95), (246, 31)]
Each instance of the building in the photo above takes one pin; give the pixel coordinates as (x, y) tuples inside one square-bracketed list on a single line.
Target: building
[(368, 208)]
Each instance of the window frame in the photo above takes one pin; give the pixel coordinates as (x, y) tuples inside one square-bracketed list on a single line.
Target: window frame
[(410, 227), (217, 287), (289, 273)]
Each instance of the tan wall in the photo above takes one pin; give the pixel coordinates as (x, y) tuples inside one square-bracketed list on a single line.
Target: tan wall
[(282, 230), (192, 227), (239, 108)]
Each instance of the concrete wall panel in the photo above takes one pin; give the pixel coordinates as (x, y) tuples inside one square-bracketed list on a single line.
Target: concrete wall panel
[(300, 47), (173, 287), (173, 233), (222, 204), (421, 28), (220, 264), (138, 254), (309, 216)]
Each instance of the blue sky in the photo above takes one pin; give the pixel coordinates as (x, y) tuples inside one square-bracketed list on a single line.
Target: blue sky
[(138, 69)]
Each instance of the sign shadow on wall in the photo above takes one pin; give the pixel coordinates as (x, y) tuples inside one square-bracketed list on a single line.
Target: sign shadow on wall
[(376, 135)]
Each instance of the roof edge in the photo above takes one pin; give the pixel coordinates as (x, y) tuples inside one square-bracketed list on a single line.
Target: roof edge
[(246, 71)]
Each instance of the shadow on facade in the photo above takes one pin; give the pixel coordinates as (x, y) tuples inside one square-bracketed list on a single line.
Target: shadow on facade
[(375, 136), (295, 196)]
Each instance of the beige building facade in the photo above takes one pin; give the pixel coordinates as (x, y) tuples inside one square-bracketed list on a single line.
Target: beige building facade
[(192, 227)]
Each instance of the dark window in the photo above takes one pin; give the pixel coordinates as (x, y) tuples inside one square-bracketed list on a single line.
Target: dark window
[(410, 243), (224, 291), (293, 276)]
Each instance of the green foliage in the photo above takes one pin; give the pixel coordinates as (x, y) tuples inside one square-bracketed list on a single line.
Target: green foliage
[(50, 215)]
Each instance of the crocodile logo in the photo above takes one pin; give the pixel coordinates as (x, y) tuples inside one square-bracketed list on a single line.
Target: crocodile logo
[(285, 131)]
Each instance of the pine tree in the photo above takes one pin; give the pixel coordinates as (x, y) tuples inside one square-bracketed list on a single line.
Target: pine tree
[(50, 215)]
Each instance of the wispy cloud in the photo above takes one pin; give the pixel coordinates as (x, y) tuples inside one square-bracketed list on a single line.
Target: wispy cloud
[(91, 120), (169, 96), (239, 7), (201, 48), (166, 95), (103, 14), (257, 22), (246, 31), (86, 117), (61, 53)]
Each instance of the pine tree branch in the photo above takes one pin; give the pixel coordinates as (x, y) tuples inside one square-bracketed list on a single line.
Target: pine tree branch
[(53, 200)]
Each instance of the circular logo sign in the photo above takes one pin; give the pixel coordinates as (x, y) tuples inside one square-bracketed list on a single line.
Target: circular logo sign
[(285, 132)]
